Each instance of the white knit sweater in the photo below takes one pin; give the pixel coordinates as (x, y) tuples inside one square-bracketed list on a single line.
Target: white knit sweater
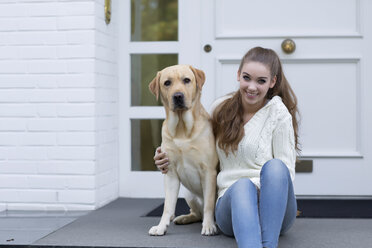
[(268, 134)]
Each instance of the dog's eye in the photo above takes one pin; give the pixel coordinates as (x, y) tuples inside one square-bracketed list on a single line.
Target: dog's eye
[(167, 83), (187, 80)]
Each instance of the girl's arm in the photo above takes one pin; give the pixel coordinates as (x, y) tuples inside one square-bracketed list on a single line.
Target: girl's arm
[(284, 144)]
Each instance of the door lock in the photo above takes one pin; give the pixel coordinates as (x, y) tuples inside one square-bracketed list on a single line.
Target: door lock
[(207, 48)]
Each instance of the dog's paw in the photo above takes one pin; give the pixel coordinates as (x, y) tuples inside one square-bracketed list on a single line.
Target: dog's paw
[(186, 219), (209, 229), (157, 230)]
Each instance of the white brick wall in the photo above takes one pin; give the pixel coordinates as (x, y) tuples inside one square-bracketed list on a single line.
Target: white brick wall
[(58, 105)]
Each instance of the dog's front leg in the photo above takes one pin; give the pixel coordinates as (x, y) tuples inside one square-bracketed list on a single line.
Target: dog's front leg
[(172, 186), (209, 194)]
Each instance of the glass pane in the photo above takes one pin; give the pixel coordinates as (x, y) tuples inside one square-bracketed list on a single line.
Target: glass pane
[(143, 70), (154, 20), (146, 137)]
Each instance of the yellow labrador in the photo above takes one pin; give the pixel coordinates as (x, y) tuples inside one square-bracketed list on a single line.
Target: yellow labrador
[(188, 139)]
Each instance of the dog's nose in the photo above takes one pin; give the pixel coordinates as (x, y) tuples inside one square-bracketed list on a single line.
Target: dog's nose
[(178, 99), (178, 96)]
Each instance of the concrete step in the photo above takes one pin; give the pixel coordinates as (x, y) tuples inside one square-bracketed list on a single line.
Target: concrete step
[(122, 223)]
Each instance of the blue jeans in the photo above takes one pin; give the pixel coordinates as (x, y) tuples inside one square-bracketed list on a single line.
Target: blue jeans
[(257, 220)]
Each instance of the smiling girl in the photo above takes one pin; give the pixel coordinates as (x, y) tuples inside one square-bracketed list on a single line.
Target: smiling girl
[(256, 135)]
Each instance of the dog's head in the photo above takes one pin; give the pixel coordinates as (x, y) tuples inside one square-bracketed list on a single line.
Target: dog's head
[(178, 86)]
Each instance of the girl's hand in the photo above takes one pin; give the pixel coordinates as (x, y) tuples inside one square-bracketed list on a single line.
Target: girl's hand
[(161, 160)]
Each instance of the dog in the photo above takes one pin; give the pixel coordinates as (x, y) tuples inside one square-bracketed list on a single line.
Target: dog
[(188, 139)]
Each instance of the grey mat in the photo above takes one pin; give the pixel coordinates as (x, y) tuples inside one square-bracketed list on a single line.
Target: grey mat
[(120, 224)]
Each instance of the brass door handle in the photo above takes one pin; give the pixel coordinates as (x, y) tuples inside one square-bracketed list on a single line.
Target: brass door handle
[(288, 46)]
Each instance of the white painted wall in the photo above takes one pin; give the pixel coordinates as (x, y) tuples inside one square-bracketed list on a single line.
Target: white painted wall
[(58, 105)]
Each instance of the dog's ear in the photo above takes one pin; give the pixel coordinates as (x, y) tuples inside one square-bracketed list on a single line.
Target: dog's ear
[(199, 76), (154, 85)]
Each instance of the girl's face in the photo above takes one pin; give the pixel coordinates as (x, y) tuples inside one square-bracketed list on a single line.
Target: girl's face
[(255, 81)]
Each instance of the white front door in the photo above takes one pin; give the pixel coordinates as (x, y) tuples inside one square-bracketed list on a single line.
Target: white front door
[(328, 72)]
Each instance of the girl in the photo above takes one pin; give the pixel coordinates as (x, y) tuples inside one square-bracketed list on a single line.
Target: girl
[(256, 135)]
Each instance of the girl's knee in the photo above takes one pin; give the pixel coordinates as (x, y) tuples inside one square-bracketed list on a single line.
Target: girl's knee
[(275, 167), (275, 172), (243, 185)]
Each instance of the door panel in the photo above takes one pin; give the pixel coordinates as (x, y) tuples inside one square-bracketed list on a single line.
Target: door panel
[(327, 86), (324, 98), (237, 19)]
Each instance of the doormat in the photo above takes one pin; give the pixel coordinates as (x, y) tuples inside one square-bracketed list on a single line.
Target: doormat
[(321, 208)]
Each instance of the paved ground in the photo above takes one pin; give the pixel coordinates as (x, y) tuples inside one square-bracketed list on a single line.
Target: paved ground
[(121, 224), (26, 227)]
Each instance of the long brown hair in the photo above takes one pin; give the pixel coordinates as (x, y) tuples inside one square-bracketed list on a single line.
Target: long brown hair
[(227, 118)]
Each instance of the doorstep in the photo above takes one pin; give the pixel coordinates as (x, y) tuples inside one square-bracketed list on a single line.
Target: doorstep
[(123, 223)]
